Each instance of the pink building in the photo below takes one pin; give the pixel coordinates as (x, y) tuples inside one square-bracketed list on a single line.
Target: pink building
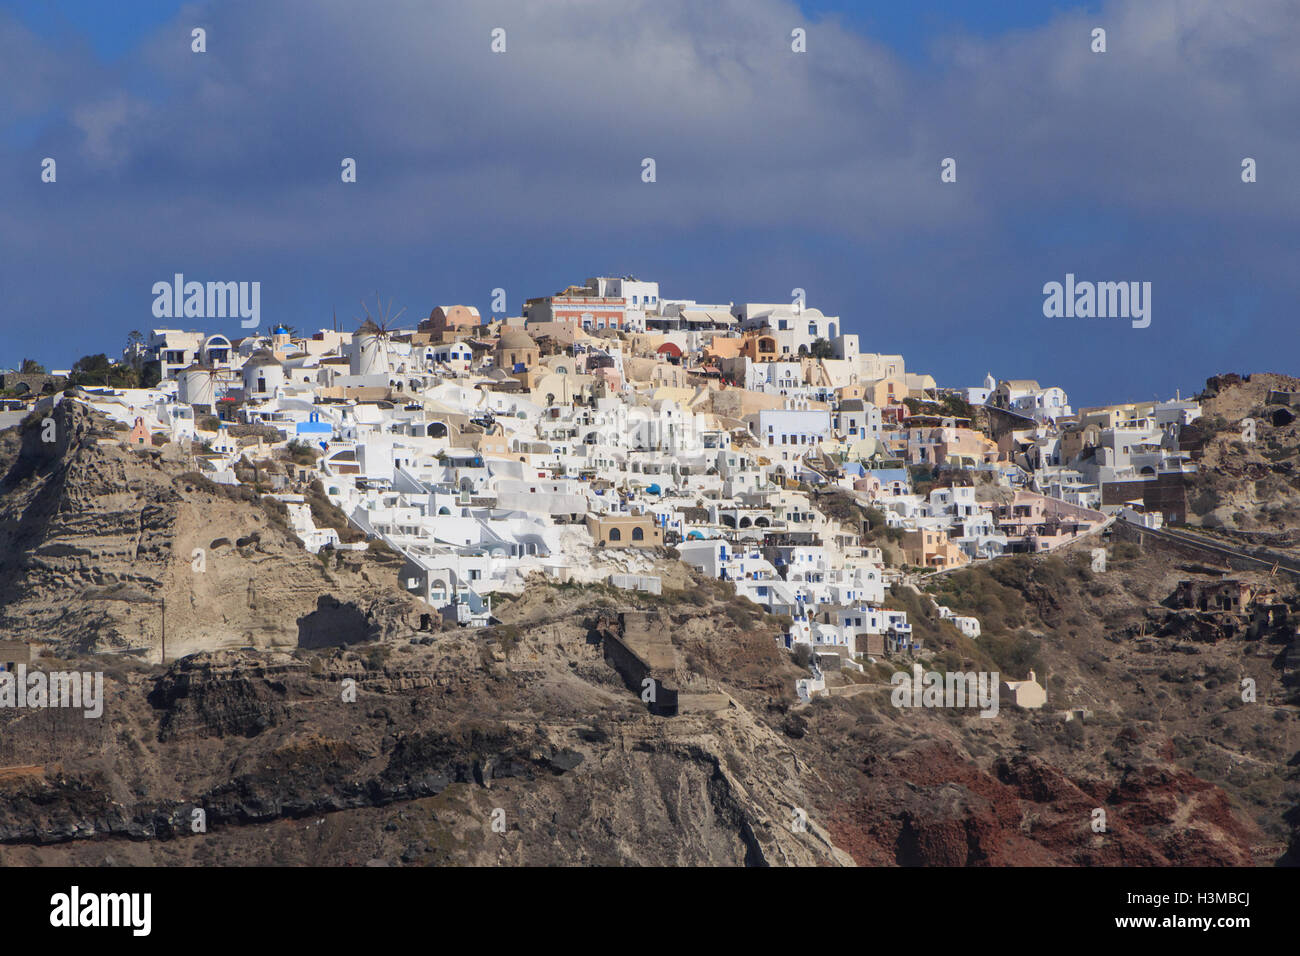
[(1036, 523), (582, 311)]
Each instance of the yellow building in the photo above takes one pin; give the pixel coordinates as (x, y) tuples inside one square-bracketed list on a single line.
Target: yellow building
[(625, 531)]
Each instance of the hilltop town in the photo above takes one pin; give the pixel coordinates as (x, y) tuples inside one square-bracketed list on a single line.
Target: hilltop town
[(525, 542), (608, 427)]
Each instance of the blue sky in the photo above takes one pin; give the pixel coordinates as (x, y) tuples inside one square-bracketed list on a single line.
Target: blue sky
[(775, 170)]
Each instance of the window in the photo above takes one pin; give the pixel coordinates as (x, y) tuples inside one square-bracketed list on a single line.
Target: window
[(638, 534), (615, 534)]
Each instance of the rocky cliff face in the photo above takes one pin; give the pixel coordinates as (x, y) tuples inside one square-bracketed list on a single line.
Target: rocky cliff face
[(1248, 476), (440, 743), (521, 744), (95, 538), (934, 806)]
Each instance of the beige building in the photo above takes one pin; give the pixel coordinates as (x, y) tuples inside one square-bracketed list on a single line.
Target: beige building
[(625, 531), (927, 548), (516, 347), (1028, 694)]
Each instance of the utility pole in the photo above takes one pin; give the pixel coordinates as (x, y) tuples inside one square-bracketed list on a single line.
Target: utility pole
[(163, 603)]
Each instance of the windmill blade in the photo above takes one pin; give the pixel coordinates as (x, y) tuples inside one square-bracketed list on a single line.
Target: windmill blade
[(382, 317)]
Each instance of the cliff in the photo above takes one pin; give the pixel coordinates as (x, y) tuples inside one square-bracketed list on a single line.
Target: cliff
[(95, 538)]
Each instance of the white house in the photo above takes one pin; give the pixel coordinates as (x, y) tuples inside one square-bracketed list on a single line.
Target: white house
[(790, 433), (263, 375)]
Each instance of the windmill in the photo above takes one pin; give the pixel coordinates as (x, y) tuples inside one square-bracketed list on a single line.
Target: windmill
[(197, 385), (370, 354)]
